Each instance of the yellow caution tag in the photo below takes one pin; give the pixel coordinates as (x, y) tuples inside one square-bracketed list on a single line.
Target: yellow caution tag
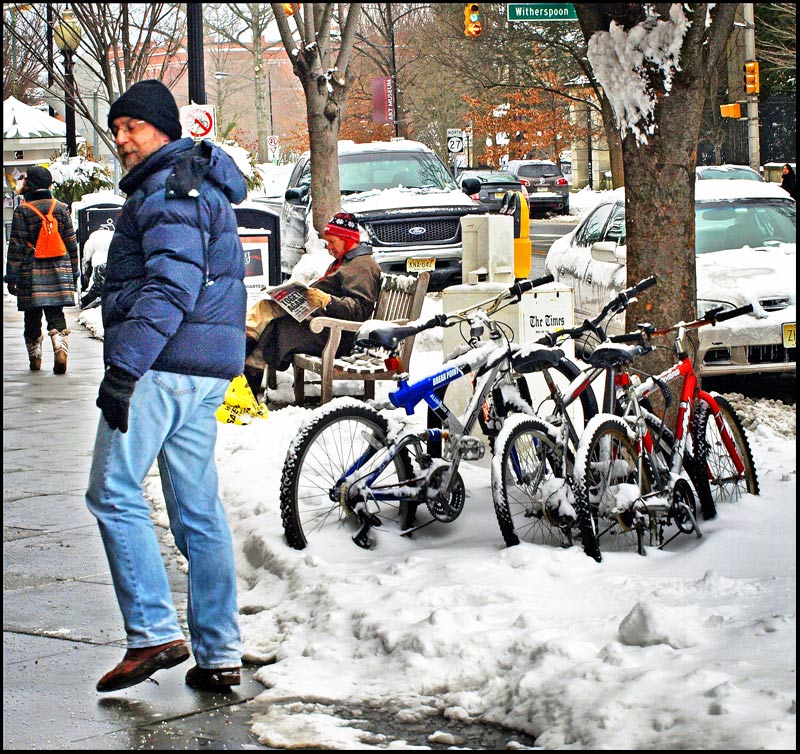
[(240, 406)]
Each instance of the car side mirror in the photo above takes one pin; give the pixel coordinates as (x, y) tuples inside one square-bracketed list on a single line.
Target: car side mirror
[(471, 186), (296, 195), (608, 251)]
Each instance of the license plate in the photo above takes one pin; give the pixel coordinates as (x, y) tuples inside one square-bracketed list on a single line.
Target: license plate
[(542, 188), (499, 194), (789, 334), (420, 265)]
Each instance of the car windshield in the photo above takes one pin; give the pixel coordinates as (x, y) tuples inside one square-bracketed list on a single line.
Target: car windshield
[(385, 170), (753, 223), (730, 174), (538, 171), (493, 177)]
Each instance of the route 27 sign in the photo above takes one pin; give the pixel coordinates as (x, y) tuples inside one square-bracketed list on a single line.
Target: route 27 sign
[(455, 140), (199, 121)]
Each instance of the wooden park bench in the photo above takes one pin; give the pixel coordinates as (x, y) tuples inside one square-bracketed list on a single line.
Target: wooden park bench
[(400, 300)]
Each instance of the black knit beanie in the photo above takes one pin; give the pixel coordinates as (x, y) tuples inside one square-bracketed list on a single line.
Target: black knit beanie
[(149, 100), (38, 178)]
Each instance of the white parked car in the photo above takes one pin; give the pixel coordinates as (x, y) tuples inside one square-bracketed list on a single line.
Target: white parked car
[(745, 241)]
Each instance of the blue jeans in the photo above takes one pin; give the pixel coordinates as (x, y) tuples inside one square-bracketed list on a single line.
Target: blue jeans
[(171, 419)]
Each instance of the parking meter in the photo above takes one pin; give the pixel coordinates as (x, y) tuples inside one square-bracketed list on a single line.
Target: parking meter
[(515, 203)]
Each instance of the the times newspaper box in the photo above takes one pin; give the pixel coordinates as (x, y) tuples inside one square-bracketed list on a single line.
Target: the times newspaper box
[(259, 231), (544, 309)]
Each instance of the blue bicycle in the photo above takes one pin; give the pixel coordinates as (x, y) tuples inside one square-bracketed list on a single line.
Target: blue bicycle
[(349, 468)]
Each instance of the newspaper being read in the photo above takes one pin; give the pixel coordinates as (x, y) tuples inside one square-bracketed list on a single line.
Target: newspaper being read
[(293, 297)]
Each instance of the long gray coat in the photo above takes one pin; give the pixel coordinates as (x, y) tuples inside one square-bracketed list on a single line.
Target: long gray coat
[(353, 287)]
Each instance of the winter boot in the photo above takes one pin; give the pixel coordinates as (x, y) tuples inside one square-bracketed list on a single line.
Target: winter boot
[(60, 350), (35, 353)]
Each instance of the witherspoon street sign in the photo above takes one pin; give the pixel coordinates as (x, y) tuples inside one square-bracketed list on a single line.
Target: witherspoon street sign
[(541, 12)]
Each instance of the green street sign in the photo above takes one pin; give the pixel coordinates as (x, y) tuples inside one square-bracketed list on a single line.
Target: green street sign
[(541, 12)]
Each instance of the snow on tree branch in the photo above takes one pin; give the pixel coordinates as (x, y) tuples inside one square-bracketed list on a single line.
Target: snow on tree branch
[(635, 66)]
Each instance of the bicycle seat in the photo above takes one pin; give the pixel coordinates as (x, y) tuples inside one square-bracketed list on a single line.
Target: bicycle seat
[(614, 355), (376, 332), (534, 357)]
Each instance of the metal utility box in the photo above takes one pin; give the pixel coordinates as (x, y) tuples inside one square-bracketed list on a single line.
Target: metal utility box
[(487, 243), (544, 309)]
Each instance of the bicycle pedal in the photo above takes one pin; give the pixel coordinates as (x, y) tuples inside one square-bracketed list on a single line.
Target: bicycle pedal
[(472, 448)]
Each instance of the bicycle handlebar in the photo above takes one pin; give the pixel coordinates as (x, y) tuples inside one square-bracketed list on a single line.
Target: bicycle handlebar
[(629, 337), (746, 309), (711, 317), (523, 286), (616, 305)]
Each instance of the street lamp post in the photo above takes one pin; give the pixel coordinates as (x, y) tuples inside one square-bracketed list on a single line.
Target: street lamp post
[(67, 35)]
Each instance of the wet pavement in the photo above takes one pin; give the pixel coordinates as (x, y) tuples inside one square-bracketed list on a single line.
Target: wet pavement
[(61, 626)]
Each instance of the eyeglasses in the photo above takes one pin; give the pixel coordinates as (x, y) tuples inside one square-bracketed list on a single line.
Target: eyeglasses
[(129, 127)]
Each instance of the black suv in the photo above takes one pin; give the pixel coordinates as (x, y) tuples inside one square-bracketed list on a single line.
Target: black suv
[(548, 189)]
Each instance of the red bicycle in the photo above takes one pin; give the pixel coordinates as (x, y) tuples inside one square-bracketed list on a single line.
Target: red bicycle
[(629, 466)]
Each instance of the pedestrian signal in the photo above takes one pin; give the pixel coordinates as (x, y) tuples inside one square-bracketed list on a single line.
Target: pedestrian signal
[(472, 20), (288, 9), (751, 84), (731, 111)]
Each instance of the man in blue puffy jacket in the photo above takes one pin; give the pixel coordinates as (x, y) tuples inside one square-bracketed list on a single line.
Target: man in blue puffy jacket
[(173, 314)]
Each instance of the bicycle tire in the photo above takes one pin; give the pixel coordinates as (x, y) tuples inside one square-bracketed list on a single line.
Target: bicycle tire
[(527, 485), (725, 483), (607, 468), (324, 448)]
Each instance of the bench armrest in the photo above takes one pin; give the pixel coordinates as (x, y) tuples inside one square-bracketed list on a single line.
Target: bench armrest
[(318, 324)]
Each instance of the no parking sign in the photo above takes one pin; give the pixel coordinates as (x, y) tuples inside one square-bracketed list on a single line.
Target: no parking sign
[(199, 121)]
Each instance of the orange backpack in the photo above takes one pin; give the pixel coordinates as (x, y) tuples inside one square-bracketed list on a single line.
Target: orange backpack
[(49, 244)]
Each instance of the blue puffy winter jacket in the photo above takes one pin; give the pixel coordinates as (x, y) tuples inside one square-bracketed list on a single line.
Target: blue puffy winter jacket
[(174, 297)]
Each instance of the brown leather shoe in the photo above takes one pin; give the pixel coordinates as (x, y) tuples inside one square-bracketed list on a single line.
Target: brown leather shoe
[(139, 664), (213, 679)]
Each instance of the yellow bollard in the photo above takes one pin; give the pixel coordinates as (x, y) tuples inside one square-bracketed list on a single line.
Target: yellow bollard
[(516, 203)]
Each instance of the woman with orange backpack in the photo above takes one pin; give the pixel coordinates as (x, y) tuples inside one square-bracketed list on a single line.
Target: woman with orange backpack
[(42, 266)]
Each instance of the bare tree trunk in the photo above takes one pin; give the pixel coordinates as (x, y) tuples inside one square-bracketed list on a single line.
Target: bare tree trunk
[(326, 83), (659, 147)]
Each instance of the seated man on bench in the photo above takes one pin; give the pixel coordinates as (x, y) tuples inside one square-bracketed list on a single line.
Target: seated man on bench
[(348, 290)]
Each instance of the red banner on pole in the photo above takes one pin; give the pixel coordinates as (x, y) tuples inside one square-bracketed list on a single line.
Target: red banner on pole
[(382, 100)]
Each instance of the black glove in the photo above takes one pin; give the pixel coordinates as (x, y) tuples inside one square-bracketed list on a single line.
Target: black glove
[(114, 398), (12, 288)]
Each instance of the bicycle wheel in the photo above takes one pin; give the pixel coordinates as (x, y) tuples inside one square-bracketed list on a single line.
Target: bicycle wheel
[(321, 468), (611, 482), (532, 499), (726, 482)]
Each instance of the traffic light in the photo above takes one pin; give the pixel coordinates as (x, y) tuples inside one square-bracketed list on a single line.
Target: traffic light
[(751, 84), (472, 20), (731, 111)]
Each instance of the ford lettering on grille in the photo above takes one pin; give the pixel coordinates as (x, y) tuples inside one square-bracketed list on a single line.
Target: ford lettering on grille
[(417, 231), (397, 232)]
